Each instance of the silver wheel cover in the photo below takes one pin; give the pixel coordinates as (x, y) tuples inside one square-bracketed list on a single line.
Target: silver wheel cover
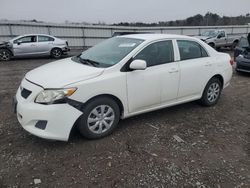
[(100, 119)]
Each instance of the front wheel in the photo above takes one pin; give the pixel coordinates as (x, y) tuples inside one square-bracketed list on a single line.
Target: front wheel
[(212, 92), (56, 53), (99, 118), (5, 55)]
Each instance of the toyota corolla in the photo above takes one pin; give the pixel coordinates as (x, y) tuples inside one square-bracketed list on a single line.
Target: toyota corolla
[(118, 78)]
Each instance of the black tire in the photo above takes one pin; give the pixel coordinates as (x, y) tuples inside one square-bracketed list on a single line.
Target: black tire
[(218, 49), (56, 53), (207, 99), (84, 125), (235, 43), (212, 45), (5, 55)]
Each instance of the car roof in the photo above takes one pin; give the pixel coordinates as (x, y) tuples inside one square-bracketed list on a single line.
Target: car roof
[(156, 36)]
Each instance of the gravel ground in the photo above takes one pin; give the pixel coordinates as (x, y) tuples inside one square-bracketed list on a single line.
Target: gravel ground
[(182, 146)]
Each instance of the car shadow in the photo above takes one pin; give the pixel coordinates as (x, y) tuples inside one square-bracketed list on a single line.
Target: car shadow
[(245, 74)]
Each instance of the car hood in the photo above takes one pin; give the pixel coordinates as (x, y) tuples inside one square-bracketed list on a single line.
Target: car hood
[(61, 73)]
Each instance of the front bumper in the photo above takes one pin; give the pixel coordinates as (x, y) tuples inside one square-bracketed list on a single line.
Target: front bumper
[(59, 118)]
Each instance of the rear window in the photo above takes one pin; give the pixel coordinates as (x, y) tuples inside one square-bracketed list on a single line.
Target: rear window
[(191, 50), (45, 39)]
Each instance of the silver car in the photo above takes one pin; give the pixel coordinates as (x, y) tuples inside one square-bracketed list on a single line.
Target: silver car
[(33, 45)]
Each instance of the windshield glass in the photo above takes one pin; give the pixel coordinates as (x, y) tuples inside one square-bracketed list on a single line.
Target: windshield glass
[(111, 51), (210, 33)]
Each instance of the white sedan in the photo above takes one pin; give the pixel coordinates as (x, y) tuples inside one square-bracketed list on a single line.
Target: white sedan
[(118, 78)]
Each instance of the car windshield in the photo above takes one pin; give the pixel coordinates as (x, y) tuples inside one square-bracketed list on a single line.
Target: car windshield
[(243, 42), (210, 33), (109, 52)]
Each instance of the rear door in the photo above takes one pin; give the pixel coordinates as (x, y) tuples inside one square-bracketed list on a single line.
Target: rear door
[(25, 45), (196, 68), (45, 44)]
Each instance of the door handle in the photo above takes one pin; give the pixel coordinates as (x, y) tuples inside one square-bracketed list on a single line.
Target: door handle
[(173, 70), (32, 45)]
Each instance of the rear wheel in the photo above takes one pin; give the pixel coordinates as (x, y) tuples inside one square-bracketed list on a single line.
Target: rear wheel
[(5, 55), (211, 93), (99, 119), (56, 53)]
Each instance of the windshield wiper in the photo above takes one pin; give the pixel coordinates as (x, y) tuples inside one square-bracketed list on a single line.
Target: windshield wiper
[(89, 62)]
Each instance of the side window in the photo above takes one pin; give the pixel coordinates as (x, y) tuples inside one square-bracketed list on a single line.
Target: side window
[(27, 39), (157, 53), (191, 50), (222, 34), (44, 38)]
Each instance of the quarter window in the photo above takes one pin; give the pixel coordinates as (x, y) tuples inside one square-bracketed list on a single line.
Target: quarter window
[(191, 50), (45, 39), (157, 53)]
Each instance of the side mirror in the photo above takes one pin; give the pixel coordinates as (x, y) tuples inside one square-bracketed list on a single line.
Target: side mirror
[(219, 36), (138, 64), (18, 42)]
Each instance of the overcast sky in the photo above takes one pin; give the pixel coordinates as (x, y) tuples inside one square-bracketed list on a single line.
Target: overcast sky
[(114, 11)]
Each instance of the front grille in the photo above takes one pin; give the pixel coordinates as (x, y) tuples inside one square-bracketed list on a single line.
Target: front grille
[(25, 93)]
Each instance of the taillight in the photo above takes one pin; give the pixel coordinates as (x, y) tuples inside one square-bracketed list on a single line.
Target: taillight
[(232, 61)]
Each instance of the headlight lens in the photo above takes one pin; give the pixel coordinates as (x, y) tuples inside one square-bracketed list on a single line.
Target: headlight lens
[(51, 96)]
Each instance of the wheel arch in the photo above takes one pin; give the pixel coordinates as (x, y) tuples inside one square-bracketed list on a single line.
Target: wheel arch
[(55, 47), (236, 41), (212, 44), (116, 99), (11, 52), (220, 77)]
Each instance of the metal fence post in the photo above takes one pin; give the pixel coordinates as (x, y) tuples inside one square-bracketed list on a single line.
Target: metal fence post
[(10, 30), (48, 28), (181, 30), (83, 37), (111, 32)]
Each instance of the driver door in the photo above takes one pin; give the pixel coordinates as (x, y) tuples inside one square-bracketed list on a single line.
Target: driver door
[(158, 83), (25, 45), (221, 39)]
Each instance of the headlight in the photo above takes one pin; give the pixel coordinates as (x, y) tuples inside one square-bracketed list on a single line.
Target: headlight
[(54, 95)]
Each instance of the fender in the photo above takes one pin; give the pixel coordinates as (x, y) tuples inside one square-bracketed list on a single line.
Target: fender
[(8, 46)]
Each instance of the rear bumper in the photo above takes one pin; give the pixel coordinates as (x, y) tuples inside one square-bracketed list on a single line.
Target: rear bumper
[(46, 121), (65, 49)]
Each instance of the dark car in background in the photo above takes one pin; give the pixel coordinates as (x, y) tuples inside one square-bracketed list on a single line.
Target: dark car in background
[(242, 55)]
